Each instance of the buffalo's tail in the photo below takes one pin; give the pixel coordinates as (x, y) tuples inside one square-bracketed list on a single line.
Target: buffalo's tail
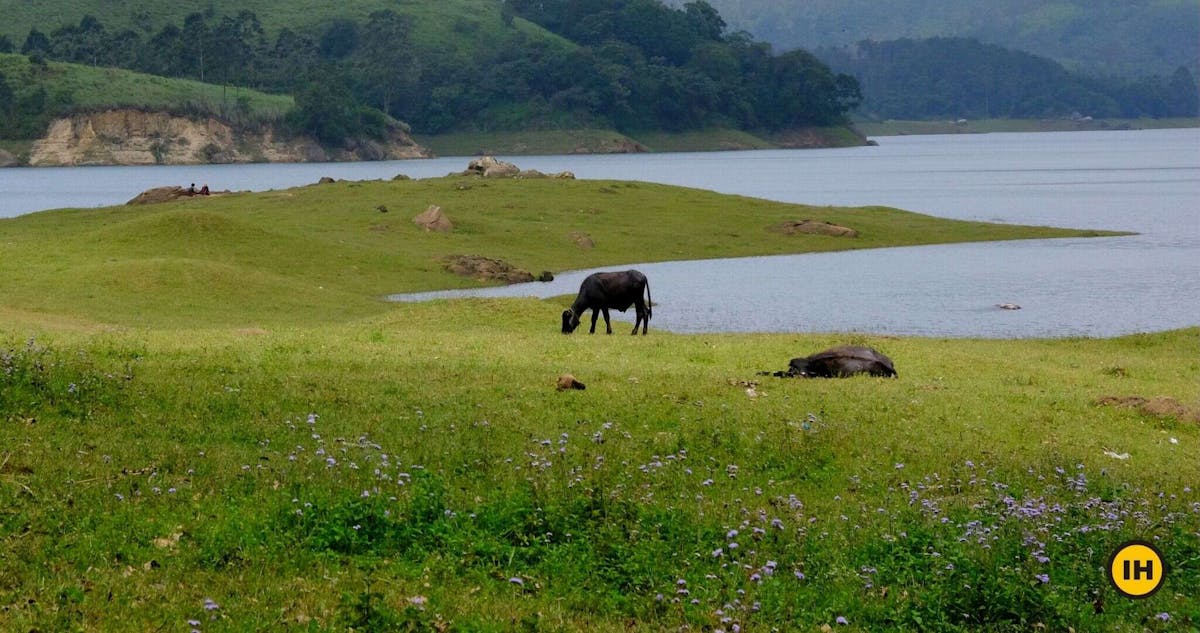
[(648, 301)]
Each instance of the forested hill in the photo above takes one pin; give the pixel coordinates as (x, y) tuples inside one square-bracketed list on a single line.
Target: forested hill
[(456, 65), (1121, 37), (958, 77)]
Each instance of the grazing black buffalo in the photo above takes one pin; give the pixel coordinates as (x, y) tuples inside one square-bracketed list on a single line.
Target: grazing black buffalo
[(601, 291), (839, 362)]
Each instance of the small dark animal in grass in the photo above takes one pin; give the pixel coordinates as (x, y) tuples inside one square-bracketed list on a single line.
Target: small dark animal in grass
[(567, 381), (839, 362), (601, 291)]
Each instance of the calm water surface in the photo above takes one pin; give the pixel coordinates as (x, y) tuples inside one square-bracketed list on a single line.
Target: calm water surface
[(1143, 181)]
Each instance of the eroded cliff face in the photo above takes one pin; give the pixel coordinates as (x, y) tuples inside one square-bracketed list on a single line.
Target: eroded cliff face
[(132, 137)]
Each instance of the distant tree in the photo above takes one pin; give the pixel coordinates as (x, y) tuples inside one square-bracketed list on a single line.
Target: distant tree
[(289, 60), (6, 45), (196, 40), (385, 59), (339, 39), (7, 98), (326, 109), (124, 49), (237, 43), (705, 20), (166, 53), (35, 42)]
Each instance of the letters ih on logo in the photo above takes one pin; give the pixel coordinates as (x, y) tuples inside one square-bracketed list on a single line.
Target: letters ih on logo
[(1137, 569)]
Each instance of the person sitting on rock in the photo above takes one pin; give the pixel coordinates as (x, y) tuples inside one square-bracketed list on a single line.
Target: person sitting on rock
[(191, 190), (204, 190)]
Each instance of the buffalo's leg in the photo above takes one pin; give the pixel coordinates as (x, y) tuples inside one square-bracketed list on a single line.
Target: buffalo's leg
[(607, 325), (595, 315), (643, 315)]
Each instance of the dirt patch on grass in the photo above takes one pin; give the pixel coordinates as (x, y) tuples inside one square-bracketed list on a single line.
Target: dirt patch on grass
[(814, 227), (1159, 407), (485, 269)]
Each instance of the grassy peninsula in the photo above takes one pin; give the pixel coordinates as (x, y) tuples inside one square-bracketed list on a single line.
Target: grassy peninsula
[(210, 421)]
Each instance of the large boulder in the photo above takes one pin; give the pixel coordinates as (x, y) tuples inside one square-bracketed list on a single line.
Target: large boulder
[(433, 219), (490, 167)]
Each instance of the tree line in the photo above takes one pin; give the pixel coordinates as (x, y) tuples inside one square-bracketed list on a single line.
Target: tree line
[(961, 77), (633, 64)]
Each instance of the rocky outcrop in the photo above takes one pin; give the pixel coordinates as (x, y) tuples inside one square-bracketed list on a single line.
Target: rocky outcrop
[(815, 227), (491, 167), (7, 159), (486, 269), (159, 194), (133, 137), (170, 193), (433, 219)]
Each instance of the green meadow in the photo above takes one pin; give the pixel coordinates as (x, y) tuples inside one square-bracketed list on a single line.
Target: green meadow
[(91, 88), (211, 421)]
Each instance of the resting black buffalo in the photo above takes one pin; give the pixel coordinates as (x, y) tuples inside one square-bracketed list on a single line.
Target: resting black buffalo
[(601, 291), (839, 362)]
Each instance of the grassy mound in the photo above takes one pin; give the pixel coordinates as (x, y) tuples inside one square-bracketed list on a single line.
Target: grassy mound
[(246, 259)]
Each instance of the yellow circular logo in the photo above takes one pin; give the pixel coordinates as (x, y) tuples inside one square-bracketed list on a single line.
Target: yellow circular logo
[(1137, 569)]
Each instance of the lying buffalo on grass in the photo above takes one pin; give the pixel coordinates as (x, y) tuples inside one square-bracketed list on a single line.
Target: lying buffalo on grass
[(601, 291), (839, 362)]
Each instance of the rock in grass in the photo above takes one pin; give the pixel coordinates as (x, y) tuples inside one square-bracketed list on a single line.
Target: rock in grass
[(567, 381), (433, 219)]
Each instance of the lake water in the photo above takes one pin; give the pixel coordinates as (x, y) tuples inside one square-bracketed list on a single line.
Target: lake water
[(1144, 181)]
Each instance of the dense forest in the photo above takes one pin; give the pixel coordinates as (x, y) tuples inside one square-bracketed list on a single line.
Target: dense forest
[(959, 77), (624, 64), (1125, 38)]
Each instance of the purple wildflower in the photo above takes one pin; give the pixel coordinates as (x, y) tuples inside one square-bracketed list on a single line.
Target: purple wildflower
[(1043, 578), (210, 605), (1164, 616), (841, 620)]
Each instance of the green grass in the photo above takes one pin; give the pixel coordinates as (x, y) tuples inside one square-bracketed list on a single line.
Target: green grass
[(209, 421), (99, 88)]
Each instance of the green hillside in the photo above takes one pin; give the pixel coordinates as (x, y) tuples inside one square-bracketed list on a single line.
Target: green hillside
[(476, 66), (438, 22), (91, 88), (1133, 38)]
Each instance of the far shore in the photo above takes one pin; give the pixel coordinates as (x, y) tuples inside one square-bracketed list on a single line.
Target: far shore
[(984, 126), (14, 153)]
